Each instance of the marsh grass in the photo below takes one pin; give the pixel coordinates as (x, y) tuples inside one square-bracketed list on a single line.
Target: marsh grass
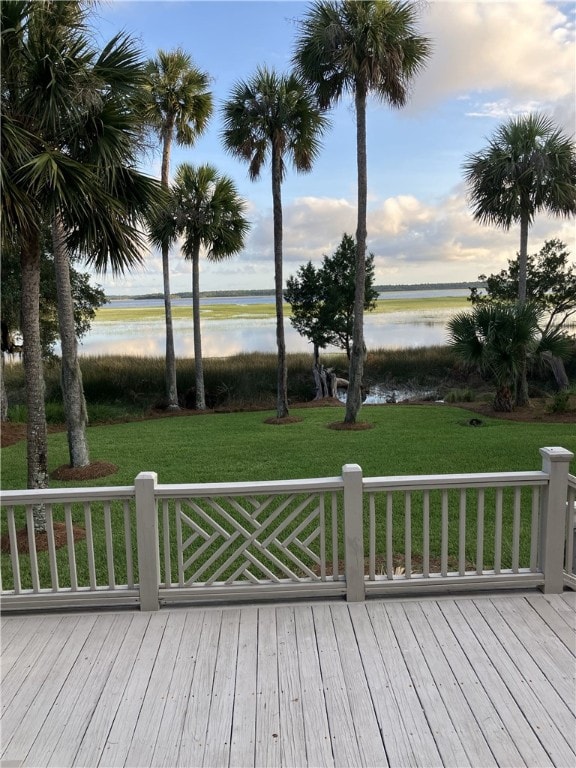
[(249, 311), (118, 386)]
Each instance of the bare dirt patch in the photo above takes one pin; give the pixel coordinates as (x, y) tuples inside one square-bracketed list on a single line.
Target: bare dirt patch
[(41, 539), (12, 432)]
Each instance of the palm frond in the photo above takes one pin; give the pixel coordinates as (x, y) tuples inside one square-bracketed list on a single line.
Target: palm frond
[(528, 166)]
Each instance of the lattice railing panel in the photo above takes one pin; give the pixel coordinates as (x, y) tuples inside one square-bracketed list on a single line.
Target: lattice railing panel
[(256, 539)]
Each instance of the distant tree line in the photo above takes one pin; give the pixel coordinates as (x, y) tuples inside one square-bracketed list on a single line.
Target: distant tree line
[(270, 291)]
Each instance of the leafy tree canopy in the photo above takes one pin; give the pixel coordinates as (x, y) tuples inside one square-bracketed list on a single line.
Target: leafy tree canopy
[(551, 284), (87, 298), (322, 299)]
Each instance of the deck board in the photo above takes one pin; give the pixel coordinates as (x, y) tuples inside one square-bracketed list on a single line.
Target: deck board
[(471, 736), (555, 661), (192, 737), (342, 733), (96, 735), (438, 715), (525, 740), (20, 657), (156, 694), (36, 701), (243, 736), (78, 695), (167, 743), (219, 726), (410, 709), (535, 709), (466, 681), (541, 688), (267, 699), (317, 728), (293, 741), (557, 622), (356, 678)]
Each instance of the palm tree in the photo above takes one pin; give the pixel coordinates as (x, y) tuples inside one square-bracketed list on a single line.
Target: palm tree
[(107, 142), (360, 48), (499, 338), (272, 115), (206, 210), (47, 79), (528, 166), (178, 107)]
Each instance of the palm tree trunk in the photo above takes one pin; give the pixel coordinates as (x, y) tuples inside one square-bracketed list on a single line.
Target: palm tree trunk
[(356, 369), (36, 432), (198, 363), (170, 373), (523, 256), (282, 377), (3, 395), (71, 374), (521, 398)]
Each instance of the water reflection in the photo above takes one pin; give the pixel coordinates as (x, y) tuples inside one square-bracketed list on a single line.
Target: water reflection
[(223, 338)]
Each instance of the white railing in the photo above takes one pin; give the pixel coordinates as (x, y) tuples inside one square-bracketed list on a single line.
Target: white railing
[(152, 544), (570, 533), (85, 556)]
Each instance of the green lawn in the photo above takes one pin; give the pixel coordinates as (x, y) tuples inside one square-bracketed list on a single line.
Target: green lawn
[(240, 446)]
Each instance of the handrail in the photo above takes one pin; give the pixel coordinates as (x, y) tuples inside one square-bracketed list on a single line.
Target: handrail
[(432, 482), (151, 543)]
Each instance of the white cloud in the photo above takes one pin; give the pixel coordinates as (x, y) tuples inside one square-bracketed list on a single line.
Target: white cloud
[(526, 48), (413, 241)]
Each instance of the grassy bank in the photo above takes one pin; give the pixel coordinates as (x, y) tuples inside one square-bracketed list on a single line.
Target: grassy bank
[(111, 314)]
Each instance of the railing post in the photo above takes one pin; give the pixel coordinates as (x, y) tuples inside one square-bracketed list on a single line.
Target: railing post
[(555, 463), (353, 533), (147, 538)]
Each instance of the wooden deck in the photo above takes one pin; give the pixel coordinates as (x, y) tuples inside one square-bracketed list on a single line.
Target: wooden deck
[(470, 681)]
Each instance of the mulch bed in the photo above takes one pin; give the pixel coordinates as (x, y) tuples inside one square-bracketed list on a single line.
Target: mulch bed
[(60, 539), (344, 426), (91, 472)]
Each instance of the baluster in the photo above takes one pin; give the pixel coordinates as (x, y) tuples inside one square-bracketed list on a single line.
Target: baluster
[(408, 535), (480, 533), (462, 534)]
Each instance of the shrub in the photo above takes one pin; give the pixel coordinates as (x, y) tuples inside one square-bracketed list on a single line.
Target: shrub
[(460, 396), (560, 403)]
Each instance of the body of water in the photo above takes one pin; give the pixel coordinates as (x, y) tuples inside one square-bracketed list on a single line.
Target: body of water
[(223, 338), (247, 300)]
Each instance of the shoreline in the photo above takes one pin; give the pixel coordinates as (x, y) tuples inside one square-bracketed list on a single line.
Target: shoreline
[(236, 311)]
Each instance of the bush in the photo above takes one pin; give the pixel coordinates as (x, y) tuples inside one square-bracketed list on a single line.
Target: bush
[(560, 403), (460, 396)]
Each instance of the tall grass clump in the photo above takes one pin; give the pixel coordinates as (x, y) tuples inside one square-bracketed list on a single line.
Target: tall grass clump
[(460, 396), (422, 366), (116, 386)]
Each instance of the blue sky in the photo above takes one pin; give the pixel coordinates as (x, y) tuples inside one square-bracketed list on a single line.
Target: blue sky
[(490, 60)]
